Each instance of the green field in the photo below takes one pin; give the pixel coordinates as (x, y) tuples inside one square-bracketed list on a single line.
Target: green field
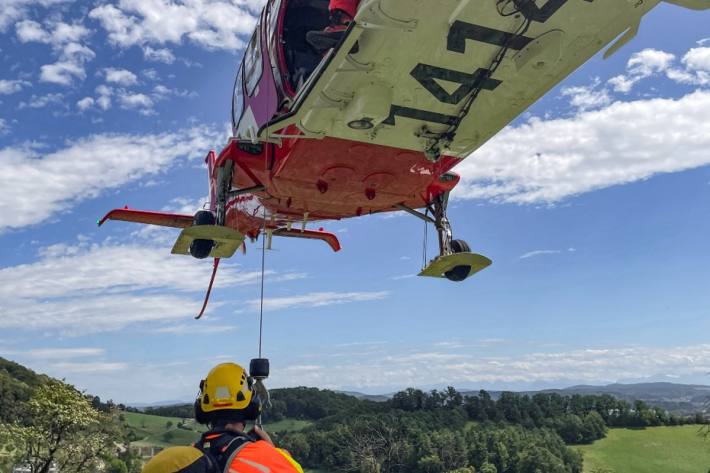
[(652, 450), (153, 430)]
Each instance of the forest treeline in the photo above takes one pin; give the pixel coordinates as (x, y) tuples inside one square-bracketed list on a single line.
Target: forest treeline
[(445, 431)]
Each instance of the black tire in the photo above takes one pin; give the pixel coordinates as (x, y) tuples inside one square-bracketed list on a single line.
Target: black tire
[(201, 249), (203, 217), (459, 273), (460, 246)]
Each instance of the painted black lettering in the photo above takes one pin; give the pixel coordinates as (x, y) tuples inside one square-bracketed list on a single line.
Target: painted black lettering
[(532, 12), (461, 31), (427, 76), (421, 115)]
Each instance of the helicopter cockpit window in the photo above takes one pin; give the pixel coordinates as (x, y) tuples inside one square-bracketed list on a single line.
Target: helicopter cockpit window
[(301, 17), (253, 62)]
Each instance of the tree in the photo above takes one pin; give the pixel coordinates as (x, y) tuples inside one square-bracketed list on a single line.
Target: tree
[(169, 424), (488, 468), (63, 429)]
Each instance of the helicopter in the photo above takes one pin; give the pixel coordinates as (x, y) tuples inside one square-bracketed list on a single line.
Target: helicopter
[(378, 122)]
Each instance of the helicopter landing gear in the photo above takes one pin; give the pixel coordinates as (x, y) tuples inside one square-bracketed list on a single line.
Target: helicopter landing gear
[(455, 261)]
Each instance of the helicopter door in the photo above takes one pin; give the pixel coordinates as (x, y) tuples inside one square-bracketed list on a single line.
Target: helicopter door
[(261, 98)]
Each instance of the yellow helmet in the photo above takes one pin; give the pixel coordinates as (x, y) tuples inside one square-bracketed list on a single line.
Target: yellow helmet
[(227, 390)]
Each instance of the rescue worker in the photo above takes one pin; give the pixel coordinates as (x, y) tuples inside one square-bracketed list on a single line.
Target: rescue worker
[(342, 12), (226, 402)]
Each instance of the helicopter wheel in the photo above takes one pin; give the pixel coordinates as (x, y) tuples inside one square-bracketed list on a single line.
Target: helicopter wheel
[(459, 273), (201, 249)]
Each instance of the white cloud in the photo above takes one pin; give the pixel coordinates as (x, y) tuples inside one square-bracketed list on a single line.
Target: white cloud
[(31, 31), (698, 59), (56, 34), (14, 10), (104, 99), (3, 125), (120, 76), (95, 288), (63, 353), (532, 254), (41, 101), (587, 97), (85, 103), (213, 24), (593, 366), (95, 367), (65, 39), (62, 73), (545, 161), (317, 299), (199, 328), (163, 55), (151, 74), (8, 87), (697, 68), (129, 100), (642, 65), (116, 160)]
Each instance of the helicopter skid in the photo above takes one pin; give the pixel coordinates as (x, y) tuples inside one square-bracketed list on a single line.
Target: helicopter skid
[(442, 264), (227, 241)]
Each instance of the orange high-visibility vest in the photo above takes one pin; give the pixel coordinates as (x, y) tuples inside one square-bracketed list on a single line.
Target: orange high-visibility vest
[(261, 457)]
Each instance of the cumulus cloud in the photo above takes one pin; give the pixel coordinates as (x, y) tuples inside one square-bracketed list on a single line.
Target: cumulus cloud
[(120, 76), (69, 67), (41, 101), (213, 24), (65, 39), (14, 10), (587, 97), (696, 68), (318, 299), (8, 87), (642, 65), (163, 55), (544, 161), (115, 161), (130, 100), (85, 103)]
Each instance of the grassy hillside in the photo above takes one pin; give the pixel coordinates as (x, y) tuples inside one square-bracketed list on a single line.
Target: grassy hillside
[(651, 450), (151, 430)]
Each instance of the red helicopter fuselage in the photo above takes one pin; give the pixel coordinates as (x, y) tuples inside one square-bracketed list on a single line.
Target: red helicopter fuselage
[(302, 179)]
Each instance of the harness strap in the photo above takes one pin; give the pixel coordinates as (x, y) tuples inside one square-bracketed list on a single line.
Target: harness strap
[(220, 447)]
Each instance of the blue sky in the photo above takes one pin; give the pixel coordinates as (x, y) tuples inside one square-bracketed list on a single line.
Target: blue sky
[(594, 206)]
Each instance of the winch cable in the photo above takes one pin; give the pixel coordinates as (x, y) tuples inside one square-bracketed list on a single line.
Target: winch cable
[(425, 242), (261, 299)]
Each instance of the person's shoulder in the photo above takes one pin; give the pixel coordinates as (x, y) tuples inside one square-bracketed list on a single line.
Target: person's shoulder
[(178, 460)]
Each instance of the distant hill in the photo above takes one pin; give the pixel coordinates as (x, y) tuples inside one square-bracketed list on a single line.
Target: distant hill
[(368, 397)]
